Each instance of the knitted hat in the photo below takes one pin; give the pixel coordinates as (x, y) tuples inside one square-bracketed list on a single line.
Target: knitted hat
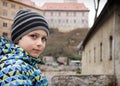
[(26, 21)]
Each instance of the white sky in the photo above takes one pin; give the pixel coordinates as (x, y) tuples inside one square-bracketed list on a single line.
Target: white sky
[(88, 3)]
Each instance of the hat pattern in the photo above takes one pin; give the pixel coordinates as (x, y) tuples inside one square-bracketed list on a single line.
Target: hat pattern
[(26, 21)]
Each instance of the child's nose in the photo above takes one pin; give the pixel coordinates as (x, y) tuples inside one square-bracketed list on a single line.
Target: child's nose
[(39, 42)]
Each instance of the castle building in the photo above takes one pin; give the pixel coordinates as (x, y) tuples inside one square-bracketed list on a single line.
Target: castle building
[(67, 15)]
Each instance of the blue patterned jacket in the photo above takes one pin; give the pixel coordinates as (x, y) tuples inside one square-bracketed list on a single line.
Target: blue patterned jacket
[(17, 68)]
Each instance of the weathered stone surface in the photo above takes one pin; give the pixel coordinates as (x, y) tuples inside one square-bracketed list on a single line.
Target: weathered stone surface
[(82, 80)]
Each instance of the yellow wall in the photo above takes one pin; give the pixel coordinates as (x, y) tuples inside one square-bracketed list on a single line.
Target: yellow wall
[(8, 19)]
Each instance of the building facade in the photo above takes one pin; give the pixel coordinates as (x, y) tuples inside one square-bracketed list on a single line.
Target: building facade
[(70, 0), (66, 16), (8, 9), (101, 47)]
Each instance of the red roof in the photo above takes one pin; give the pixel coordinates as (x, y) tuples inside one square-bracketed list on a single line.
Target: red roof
[(65, 6)]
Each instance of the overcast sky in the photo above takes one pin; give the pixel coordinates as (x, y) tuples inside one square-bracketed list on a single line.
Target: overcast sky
[(88, 3)]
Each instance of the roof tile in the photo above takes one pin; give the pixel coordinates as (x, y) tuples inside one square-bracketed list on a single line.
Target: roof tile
[(65, 6)]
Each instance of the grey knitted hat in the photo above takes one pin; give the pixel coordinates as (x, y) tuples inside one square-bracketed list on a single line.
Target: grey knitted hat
[(26, 21)]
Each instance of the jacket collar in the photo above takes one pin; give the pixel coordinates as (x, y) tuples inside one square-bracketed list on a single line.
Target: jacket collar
[(8, 50)]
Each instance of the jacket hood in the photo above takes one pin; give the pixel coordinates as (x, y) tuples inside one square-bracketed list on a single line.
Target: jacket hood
[(8, 50)]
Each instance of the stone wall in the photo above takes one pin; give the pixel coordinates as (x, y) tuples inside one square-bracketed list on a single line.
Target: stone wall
[(96, 55), (83, 80)]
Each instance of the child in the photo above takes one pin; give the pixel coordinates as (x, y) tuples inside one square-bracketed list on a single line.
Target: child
[(18, 59)]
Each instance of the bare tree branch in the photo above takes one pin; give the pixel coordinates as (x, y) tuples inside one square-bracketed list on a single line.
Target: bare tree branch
[(96, 6)]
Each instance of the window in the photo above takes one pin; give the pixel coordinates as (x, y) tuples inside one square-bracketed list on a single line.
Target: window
[(110, 39), (74, 14), (12, 14), (5, 4), (66, 20), (59, 13), (20, 8), (51, 13), (101, 52), (12, 6), (59, 21), (66, 13), (74, 21), (5, 13), (89, 56), (83, 13), (94, 54), (4, 24), (83, 21), (4, 34), (51, 20)]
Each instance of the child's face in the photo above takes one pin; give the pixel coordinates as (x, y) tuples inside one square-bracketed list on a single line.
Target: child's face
[(34, 42)]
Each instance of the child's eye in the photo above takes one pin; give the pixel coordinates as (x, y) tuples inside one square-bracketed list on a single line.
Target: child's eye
[(44, 38), (34, 36)]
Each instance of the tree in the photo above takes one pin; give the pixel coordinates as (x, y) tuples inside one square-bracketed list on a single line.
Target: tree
[(96, 6)]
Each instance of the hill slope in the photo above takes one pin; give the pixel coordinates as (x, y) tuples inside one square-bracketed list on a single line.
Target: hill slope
[(64, 44)]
